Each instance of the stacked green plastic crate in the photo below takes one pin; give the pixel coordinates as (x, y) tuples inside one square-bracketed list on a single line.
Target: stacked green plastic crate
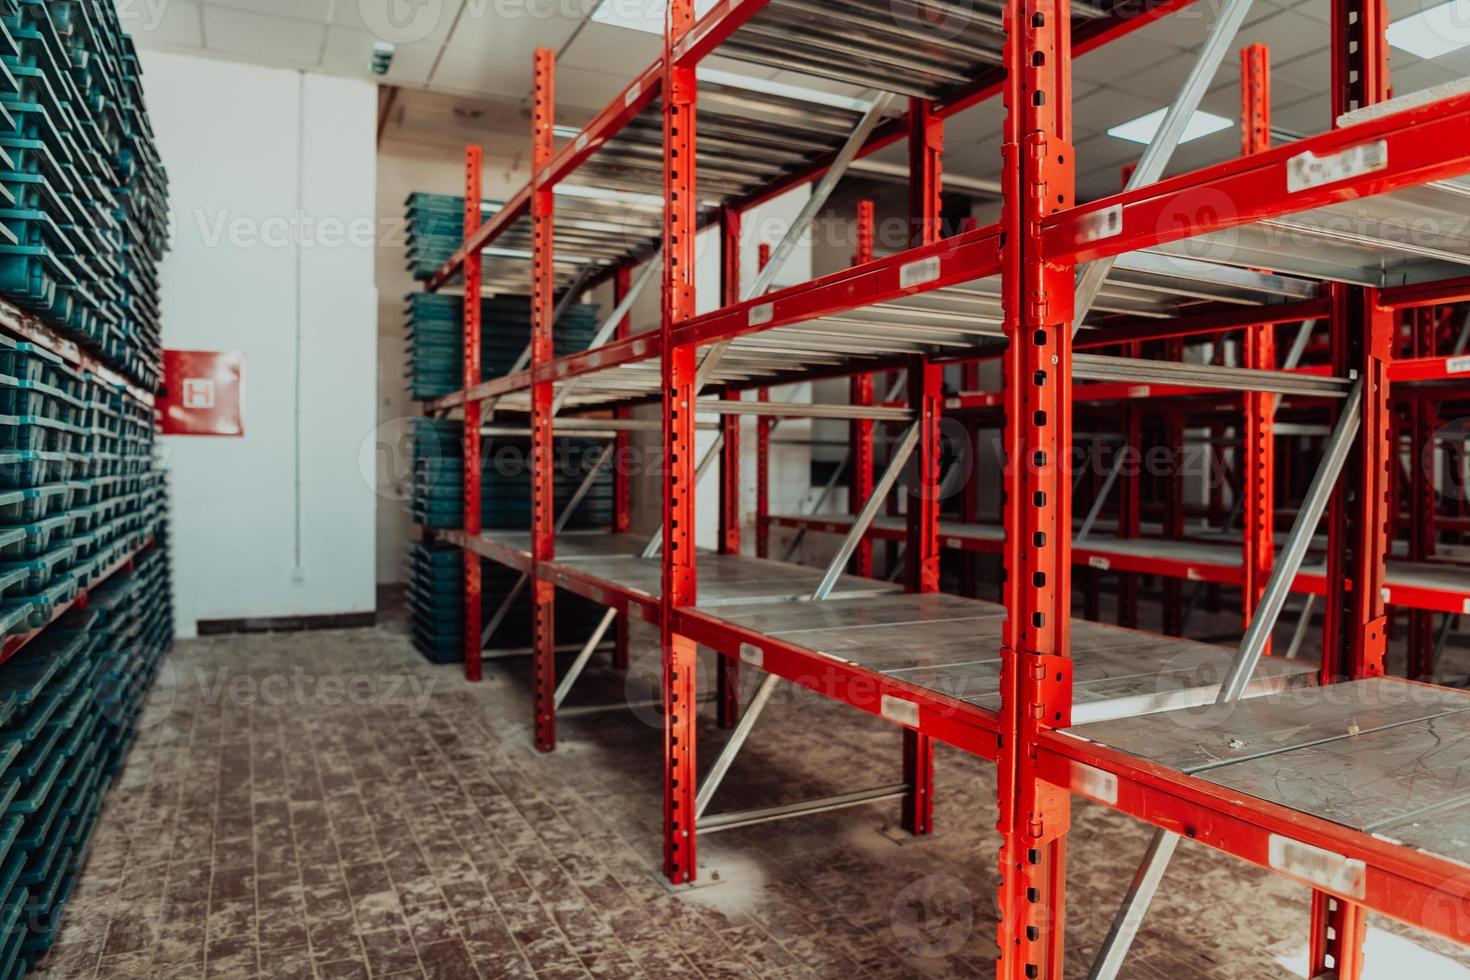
[(434, 341), (83, 203), (84, 195), (436, 572), (436, 230)]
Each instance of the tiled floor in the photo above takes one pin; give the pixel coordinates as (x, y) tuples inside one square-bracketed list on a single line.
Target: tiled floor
[(329, 805)]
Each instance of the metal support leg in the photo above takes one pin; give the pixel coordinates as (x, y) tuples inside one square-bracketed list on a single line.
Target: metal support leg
[(861, 393), (543, 394), (727, 670), (622, 492), (1037, 295), (1135, 906), (680, 385), (473, 583), (1338, 931)]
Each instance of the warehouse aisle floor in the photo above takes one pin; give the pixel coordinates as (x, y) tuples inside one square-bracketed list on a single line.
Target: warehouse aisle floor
[(329, 805)]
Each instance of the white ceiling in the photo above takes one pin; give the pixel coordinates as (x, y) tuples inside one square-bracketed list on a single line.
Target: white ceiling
[(479, 51)]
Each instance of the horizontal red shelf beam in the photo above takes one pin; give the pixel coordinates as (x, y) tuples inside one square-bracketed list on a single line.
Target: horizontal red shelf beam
[(1426, 294), (1411, 147), (1456, 368), (950, 262)]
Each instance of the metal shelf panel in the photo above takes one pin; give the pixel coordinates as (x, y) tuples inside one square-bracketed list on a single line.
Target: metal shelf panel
[(1413, 885)]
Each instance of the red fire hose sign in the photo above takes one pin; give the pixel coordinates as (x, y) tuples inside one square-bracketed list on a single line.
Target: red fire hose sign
[(203, 393)]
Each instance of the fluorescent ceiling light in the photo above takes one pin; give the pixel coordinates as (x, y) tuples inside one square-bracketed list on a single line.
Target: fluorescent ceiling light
[(642, 15), (1433, 32), (1142, 129)]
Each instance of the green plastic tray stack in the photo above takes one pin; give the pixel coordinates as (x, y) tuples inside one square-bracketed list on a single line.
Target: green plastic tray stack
[(437, 499), (83, 195), (436, 606), (83, 204), (434, 339), (70, 705), (436, 230)]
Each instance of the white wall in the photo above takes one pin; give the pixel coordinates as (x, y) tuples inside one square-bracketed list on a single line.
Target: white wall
[(272, 175)]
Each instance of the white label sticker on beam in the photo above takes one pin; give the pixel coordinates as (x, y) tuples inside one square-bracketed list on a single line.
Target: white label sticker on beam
[(1306, 170), (1101, 224), (1457, 365), (632, 95), (1317, 866), (752, 654), (900, 711), (916, 273), (1094, 783), (1098, 561), (761, 315)]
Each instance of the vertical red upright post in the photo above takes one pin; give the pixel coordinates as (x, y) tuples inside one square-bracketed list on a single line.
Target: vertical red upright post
[(1422, 494), (1036, 674), (1130, 498), (622, 448), (474, 165), (543, 393), (926, 386), (861, 430), (1174, 500), (970, 493), (1354, 639), (727, 688), (681, 211), (763, 426), (1258, 469)]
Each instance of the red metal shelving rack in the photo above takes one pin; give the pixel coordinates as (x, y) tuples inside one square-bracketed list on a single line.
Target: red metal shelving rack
[(1042, 238)]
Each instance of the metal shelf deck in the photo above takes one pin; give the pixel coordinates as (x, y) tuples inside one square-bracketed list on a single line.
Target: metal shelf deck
[(1364, 786)]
